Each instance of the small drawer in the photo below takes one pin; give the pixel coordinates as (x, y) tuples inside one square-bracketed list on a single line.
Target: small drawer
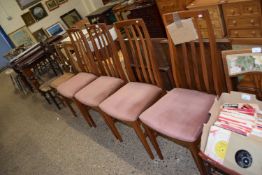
[(231, 9), (252, 33), (243, 22), (251, 8)]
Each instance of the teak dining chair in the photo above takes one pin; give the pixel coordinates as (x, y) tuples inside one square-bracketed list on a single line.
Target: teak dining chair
[(145, 84), (251, 80), (69, 88), (181, 113), (104, 53)]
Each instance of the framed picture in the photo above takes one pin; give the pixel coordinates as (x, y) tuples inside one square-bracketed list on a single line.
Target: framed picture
[(26, 3), (28, 18), (243, 63), (51, 4), (70, 18), (61, 1), (55, 29), (40, 35), (22, 36), (38, 11)]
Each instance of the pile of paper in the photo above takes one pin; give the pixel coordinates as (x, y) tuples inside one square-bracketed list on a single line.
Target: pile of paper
[(238, 118), (244, 119)]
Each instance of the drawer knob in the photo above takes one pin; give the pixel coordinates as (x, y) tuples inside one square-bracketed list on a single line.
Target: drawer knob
[(233, 12), (250, 9), (253, 32), (234, 22), (252, 21), (236, 33)]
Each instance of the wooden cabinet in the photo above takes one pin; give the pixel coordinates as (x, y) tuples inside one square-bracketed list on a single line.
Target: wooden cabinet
[(215, 12), (167, 6), (149, 13), (243, 18)]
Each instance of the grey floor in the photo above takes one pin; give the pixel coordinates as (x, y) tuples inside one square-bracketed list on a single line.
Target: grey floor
[(37, 139)]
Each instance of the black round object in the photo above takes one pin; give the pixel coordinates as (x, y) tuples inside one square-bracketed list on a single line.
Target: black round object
[(243, 158)]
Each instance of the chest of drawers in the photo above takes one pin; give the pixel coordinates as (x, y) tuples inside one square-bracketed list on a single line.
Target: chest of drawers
[(166, 6), (215, 12), (243, 18)]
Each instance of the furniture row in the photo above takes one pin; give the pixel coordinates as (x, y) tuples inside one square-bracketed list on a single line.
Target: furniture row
[(132, 91)]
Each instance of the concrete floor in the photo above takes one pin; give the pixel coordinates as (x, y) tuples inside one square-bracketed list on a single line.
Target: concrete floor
[(36, 138)]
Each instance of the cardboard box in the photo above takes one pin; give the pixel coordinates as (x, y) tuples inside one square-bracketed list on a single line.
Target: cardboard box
[(244, 153)]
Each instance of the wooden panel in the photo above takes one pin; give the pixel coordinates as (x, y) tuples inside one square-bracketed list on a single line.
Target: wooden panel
[(244, 22), (231, 10), (149, 13), (243, 18), (215, 16), (251, 8), (167, 6), (245, 33)]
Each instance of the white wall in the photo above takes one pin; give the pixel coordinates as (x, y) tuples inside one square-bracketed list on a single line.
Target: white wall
[(97, 3), (11, 8)]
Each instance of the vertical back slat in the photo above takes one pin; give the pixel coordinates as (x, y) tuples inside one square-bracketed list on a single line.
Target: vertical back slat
[(195, 65), (140, 51), (186, 65), (104, 51), (146, 55), (82, 50), (197, 55), (128, 30), (202, 56), (139, 54)]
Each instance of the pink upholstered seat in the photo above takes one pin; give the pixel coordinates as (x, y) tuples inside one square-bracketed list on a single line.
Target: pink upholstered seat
[(180, 114), (74, 84), (97, 91), (130, 101)]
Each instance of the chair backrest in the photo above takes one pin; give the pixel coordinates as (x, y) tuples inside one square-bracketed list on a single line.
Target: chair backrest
[(243, 63), (139, 57), (67, 57), (195, 63), (82, 51), (104, 51), (81, 23)]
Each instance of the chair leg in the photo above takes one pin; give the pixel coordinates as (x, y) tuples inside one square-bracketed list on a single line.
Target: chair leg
[(141, 136), (46, 97), (200, 165), (110, 123), (85, 113), (53, 99), (152, 136), (67, 102)]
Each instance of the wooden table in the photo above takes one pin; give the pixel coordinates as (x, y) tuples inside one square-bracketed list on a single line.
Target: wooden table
[(24, 62)]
